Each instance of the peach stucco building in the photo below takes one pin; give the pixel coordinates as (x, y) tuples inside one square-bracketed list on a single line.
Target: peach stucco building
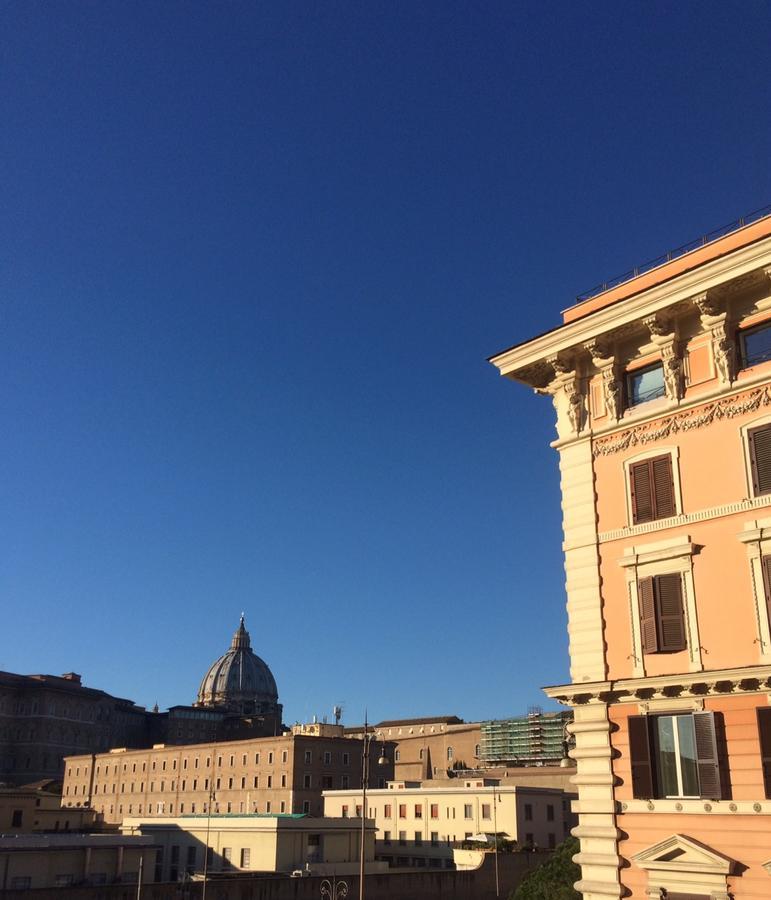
[(662, 390)]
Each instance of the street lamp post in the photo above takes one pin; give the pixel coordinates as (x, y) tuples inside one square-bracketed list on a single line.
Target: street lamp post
[(368, 738), (212, 798), (495, 828)]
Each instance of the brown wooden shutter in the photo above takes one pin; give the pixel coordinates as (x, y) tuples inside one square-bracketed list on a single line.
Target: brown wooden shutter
[(663, 487), (707, 762), (764, 733), (640, 758), (670, 625), (765, 564), (642, 492), (647, 615), (760, 459)]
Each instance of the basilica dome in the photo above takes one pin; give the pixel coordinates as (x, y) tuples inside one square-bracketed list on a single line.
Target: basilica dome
[(239, 681)]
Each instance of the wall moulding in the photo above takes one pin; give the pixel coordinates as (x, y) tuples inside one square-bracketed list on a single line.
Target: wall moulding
[(700, 515)]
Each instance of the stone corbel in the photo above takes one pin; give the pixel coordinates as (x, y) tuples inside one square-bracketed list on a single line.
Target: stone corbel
[(673, 370), (605, 362), (568, 398), (660, 328), (714, 319)]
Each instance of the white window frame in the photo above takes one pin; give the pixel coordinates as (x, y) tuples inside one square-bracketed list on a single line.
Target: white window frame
[(756, 537), (662, 558)]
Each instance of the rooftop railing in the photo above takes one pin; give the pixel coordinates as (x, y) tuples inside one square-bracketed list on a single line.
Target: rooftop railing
[(674, 254)]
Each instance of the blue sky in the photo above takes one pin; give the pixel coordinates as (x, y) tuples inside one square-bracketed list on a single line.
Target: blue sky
[(253, 258)]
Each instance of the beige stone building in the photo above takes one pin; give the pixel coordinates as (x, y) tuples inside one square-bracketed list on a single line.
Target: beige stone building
[(419, 823), (285, 774), (430, 747), (43, 861), (38, 807), (254, 843)]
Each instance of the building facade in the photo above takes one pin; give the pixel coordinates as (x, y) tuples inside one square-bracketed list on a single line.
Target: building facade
[(430, 747), (419, 825), (254, 843), (285, 774), (662, 390), (38, 808), (537, 739), (44, 718), (54, 861)]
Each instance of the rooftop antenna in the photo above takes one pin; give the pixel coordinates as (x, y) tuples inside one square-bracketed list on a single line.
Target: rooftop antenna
[(337, 712)]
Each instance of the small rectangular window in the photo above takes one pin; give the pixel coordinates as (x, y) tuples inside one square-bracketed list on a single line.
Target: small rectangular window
[(528, 812), (468, 811), (764, 733), (486, 811), (652, 489), (759, 440), (645, 384), (402, 810), (662, 618), (756, 345)]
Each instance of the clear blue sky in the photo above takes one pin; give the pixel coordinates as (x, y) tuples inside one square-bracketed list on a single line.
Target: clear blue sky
[(253, 257)]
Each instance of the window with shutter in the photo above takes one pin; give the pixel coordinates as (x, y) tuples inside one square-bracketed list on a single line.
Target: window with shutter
[(760, 459), (765, 564), (764, 733), (670, 623), (677, 756), (640, 755), (647, 615), (652, 489), (707, 761), (662, 619)]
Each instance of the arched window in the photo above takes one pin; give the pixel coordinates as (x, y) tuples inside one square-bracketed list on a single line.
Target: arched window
[(420, 754), (476, 750), (450, 753)]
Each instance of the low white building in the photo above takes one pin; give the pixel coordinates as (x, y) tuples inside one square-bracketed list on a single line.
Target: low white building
[(419, 823), (254, 843)]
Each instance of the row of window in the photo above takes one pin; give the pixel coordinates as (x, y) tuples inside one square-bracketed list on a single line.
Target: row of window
[(662, 612), (326, 758), (162, 808), (647, 383), (433, 811), (325, 782), (652, 486), (418, 840), (684, 755)]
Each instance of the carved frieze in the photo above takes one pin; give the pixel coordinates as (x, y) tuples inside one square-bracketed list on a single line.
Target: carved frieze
[(700, 417)]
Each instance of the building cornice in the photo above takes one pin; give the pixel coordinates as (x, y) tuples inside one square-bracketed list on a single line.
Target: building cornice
[(715, 683), (695, 282)]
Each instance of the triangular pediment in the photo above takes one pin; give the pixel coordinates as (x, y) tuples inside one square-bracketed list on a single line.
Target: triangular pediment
[(684, 854)]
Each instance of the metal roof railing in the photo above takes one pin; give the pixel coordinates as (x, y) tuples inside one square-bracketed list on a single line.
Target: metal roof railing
[(674, 254)]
